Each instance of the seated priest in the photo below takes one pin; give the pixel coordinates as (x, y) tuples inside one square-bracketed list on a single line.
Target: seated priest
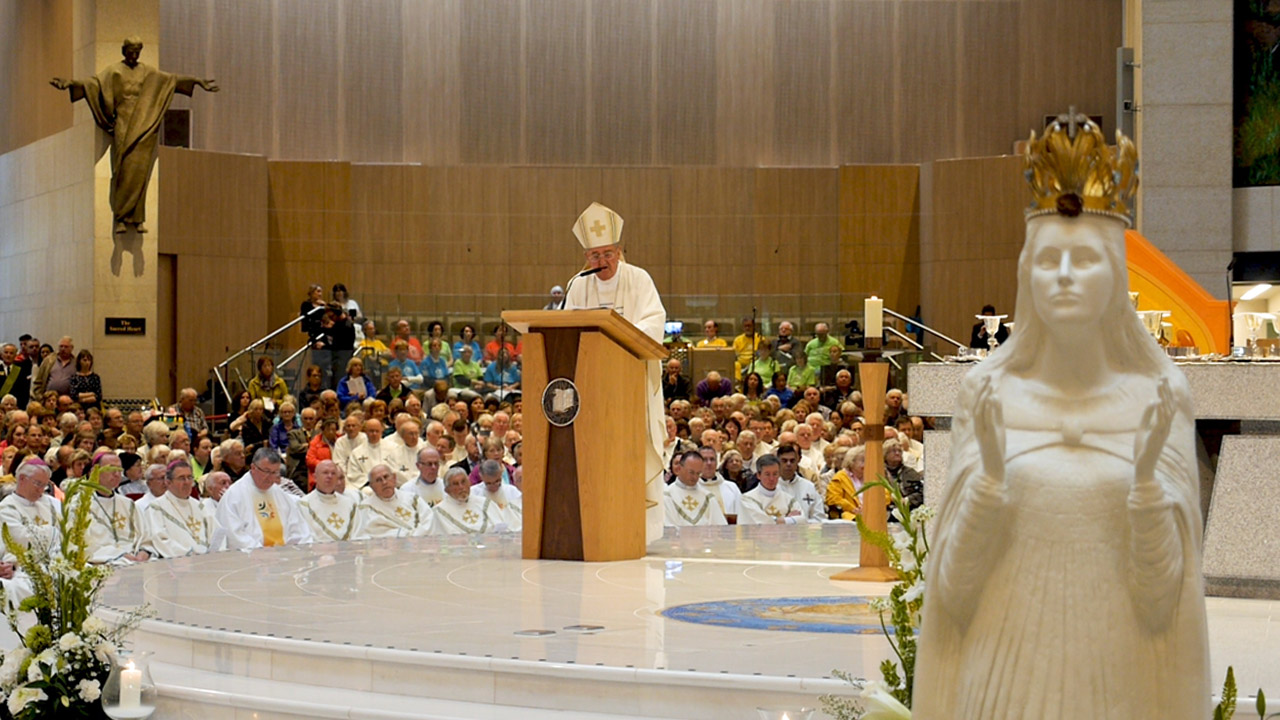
[(371, 452), (728, 494), (812, 503), (330, 509), (390, 512), (116, 526), (766, 503), (506, 497), (215, 486), (461, 512), (428, 484), (255, 512), (177, 525), (401, 454), (157, 485), (685, 502)]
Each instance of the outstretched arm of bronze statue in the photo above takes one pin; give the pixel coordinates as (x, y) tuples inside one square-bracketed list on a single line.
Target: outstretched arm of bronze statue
[(187, 85), (208, 85)]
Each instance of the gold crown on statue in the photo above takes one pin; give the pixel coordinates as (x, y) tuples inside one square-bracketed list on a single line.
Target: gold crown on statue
[(1071, 170)]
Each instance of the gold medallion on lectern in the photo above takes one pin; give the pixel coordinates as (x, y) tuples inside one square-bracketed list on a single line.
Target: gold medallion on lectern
[(560, 402)]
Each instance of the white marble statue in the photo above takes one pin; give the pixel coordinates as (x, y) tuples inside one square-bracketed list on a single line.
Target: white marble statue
[(1064, 580)]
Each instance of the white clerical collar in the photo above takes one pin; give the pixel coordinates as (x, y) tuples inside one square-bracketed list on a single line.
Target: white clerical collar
[(455, 501), (428, 483), (327, 497), (711, 480), (766, 491)]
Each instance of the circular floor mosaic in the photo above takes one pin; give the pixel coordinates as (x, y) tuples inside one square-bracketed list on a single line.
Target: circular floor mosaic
[(835, 614)]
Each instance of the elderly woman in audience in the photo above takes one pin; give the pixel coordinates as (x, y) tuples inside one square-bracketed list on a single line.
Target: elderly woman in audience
[(492, 448), (180, 440), (286, 420), (734, 469), (266, 385), (232, 458), (843, 500), (908, 480), (253, 427), (158, 454), (86, 386), (355, 385)]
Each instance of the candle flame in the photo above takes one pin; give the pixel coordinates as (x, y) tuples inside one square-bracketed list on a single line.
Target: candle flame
[(128, 665)]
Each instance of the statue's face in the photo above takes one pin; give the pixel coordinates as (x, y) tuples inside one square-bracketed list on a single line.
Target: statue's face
[(131, 54), (1071, 275)]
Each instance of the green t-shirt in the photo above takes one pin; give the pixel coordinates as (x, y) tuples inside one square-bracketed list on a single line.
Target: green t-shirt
[(800, 378), (819, 352), (766, 367), (465, 372)]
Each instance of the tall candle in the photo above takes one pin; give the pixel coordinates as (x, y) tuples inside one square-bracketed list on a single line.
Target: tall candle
[(130, 687), (873, 315)]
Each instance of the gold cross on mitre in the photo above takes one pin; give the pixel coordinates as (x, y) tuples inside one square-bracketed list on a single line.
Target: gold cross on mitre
[(335, 520), (469, 516), (690, 503), (598, 226)]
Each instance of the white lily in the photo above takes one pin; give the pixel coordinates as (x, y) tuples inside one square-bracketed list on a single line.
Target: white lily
[(914, 592), (879, 704)]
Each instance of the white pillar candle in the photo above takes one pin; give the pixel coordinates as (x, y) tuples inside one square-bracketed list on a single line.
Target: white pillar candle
[(130, 687), (873, 316)]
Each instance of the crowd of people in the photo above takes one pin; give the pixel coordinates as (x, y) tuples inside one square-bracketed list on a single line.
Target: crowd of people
[(433, 447)]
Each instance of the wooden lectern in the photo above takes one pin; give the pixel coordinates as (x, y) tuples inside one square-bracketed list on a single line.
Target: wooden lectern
[(584, 483)]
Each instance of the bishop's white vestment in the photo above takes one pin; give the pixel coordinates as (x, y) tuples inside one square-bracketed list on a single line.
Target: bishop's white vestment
[(474, 516), (432, 492), (116, 528), (632, 294), (509, 501), (253, 519), (404, 514), (332, 517), (177, 527), (764, 507)]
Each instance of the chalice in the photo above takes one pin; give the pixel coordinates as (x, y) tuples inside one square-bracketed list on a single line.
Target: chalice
[(1153, 321), (991, 324)]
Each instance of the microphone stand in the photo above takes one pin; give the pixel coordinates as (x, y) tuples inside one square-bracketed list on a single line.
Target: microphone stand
[(755, 347), (584, 273)]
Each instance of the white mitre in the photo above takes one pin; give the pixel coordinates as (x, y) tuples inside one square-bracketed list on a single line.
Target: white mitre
[(598, 226)]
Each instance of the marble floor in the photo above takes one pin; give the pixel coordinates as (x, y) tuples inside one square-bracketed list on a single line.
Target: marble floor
[(476, 598)]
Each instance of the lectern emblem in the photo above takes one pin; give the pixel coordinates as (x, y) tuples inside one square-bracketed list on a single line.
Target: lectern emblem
[(560, 402)]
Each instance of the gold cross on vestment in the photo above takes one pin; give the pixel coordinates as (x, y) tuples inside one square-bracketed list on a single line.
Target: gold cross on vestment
[(773, 512), (119, 521), (335, 520), (194, 526), (402, 513), (690, 503), (469, 516), (39, 521), (598, 228)]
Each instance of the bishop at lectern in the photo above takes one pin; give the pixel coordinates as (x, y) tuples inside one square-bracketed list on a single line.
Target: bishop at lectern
[(630, 292)]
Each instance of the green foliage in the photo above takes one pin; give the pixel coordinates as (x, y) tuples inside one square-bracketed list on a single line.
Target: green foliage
[(1227, 706)]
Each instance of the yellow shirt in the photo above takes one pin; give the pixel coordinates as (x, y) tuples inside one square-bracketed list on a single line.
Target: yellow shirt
[(268, 520), (746, 350), (842, 495), (718, 342)]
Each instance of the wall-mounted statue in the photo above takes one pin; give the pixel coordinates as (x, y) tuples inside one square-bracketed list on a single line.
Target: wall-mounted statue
[(128, 100), (1064, 579)]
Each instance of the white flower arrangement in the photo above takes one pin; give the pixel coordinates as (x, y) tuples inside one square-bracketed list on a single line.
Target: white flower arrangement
[(907, 546), (63, 662)]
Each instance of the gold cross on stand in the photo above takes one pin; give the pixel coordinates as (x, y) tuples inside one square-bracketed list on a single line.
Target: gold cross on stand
[(1073, 119), (598, 228), (335, 520)]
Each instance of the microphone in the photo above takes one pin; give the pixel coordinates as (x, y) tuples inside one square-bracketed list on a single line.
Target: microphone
[(584, 273)]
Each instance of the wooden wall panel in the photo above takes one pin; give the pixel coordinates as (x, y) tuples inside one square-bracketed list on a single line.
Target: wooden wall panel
[(37, 42), (880, 236), (213, 211), (973, 232), (654, 82)]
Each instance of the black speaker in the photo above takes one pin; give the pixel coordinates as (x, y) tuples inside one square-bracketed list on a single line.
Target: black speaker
[(175, 129)]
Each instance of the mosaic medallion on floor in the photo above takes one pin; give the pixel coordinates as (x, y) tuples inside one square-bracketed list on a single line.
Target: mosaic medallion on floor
[(834, 614)]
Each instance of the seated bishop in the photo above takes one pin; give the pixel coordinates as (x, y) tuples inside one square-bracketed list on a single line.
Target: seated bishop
[(391, 511), (116, 527), (766, 503), (507, 498), (463, 513), (177, 524), (31, 516), (254, 512), (428, 484), (685, 502), (330, 510)]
